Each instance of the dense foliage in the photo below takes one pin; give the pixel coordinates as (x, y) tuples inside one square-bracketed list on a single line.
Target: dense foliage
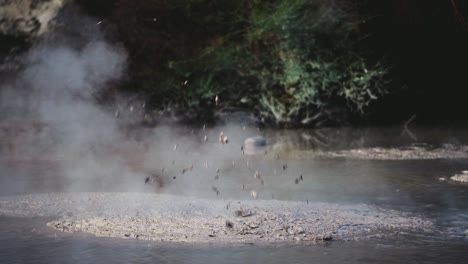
[(290, 61)]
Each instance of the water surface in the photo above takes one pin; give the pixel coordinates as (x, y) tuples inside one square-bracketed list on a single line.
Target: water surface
[(412, 186)]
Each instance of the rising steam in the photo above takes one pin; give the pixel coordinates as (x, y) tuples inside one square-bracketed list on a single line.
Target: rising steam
[(51, 101), (51, 105)]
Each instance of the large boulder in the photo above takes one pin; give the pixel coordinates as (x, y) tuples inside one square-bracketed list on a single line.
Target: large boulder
[(27, 18)]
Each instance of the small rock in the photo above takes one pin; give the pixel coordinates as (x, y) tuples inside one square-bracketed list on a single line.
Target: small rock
[(253, 226), (299, 230)]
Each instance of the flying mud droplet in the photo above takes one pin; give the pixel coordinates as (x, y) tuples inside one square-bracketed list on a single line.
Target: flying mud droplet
[(257, 175), (223, 138), (254, 194), (215, 190)]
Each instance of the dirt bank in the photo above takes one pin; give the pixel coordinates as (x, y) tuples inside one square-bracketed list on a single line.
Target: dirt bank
[(191, 220)]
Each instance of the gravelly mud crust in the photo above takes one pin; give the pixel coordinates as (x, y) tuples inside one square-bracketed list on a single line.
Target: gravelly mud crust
[(191, 220), (461, 177), (378, 153)]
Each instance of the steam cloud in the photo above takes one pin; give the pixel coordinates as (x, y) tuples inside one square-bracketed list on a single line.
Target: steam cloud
[(52, 105), (51, 114), (51, 102)]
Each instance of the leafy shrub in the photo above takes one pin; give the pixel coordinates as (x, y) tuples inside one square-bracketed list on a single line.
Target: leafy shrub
[(290, 61)]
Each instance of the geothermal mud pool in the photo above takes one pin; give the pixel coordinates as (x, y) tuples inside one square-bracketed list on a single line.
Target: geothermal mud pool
[(167, 217)]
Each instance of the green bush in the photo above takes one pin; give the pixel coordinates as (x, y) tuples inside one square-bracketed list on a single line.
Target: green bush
[(292, 62)]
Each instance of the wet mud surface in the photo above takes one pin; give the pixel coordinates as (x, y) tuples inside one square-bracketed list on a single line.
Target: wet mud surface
[(191, 220)]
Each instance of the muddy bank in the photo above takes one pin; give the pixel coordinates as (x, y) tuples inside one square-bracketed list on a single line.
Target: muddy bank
[(447, 151), (183, 219)]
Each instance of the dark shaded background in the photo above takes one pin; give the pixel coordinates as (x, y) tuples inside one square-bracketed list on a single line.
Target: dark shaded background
[(425, 42)]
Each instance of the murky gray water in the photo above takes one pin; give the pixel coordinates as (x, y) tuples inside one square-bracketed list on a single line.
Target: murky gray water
[(412, 186), (19, 247)]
